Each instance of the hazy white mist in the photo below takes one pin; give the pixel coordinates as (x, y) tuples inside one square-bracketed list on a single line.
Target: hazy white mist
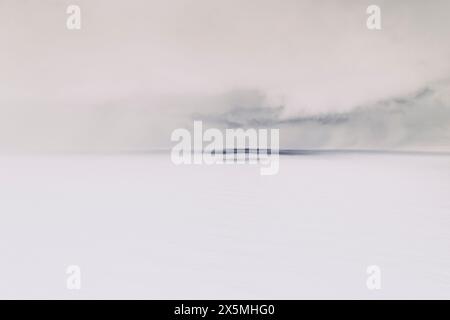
[(139, 69)]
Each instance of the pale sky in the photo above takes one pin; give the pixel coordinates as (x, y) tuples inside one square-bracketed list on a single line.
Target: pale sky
[(139, 69)]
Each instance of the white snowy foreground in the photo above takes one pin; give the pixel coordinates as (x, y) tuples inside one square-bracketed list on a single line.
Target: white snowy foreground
[(140, 227)]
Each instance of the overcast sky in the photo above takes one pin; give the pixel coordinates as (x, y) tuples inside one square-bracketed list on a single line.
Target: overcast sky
[(138, 69)]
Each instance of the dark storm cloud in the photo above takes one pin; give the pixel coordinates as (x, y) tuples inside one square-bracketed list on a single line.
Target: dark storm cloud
[(415, 121)]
